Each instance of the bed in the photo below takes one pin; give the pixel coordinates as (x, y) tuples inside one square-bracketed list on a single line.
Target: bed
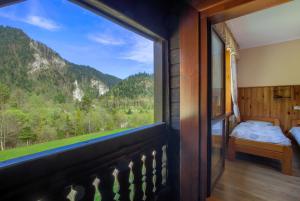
[(217, 138), (265, 139), (295, 131)]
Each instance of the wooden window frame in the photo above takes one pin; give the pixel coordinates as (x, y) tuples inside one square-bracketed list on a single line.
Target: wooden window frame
[(161, 68)]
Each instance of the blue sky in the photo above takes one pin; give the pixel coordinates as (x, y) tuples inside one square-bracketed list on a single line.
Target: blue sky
[(81, 36)]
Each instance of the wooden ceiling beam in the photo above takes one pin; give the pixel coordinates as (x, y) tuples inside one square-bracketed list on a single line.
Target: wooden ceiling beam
[(207, 4), (222, 10), (243, 9)]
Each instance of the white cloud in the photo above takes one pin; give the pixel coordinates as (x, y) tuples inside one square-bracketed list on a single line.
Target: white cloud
[(42, 22), (140, 51), (9, 16), (105, 39), (34, 20)]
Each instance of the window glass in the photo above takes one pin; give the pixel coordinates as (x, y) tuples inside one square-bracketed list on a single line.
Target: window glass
[(217, 133), (217, 76), (218, 107), (68, 75)]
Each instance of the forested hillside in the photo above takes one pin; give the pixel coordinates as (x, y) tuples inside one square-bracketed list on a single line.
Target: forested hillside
[(33, 67), (44, 97)]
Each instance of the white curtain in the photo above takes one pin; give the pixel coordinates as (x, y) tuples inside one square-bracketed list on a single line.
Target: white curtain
[(234, 87)]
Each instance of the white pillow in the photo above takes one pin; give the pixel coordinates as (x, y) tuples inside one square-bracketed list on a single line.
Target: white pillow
[(259, 123)]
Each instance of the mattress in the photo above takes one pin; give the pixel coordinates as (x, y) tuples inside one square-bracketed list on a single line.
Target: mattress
[(260, 133), (295, 131)]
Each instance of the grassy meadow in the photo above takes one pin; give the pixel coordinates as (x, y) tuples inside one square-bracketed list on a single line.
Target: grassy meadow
[(32, 149)]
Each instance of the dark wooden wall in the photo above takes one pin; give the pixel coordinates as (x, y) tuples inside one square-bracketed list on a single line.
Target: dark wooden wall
[(259, 101), (174, 79), (174, 86)]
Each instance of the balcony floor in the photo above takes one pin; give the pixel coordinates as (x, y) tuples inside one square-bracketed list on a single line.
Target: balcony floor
[(245, 180)]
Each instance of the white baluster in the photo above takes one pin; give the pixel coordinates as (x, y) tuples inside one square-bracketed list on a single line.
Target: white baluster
[(154, 171), (116, 185), (72, 195), (131, 182), (144, 177), (97, 195), (164, 165)]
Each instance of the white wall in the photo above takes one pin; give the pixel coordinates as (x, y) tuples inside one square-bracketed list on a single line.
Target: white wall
[(272, 65)]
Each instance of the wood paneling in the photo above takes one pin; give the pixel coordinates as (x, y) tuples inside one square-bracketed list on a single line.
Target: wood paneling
[(296, 122), (274, 121), (189, 106), (260, 102), (174, 79)]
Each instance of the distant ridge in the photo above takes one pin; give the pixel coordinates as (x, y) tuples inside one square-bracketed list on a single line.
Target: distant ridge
[(32, 66)]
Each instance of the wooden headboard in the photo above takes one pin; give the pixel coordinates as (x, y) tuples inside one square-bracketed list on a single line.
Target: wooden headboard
[(295, 122), (260, 102), (275, 121)]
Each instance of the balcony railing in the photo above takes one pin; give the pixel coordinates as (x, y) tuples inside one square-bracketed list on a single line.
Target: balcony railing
[(129, 166)]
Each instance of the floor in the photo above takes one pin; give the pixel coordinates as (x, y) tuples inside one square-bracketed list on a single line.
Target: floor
[(252, 179), (296, 160)]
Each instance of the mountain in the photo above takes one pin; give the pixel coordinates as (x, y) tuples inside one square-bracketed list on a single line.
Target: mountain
[(32, 66), (134, 87)]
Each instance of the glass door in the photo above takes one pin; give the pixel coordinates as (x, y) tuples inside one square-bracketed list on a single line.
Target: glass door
[(217, 108)]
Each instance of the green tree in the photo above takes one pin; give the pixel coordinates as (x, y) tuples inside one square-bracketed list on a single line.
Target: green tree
[(14, 122), (78, 123), (4, 97), (60, 98), (4, 94), (86, 103), (17, 98), (27, 135), (69, 129)]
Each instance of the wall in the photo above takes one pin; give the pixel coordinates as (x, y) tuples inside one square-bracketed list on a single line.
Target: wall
[(174, 79), (271, 65), (259, 102)]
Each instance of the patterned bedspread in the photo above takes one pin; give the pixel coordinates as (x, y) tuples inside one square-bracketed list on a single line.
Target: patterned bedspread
[(260, 132)]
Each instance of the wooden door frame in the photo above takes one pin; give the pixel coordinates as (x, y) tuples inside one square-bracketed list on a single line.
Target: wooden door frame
[(194, 113)]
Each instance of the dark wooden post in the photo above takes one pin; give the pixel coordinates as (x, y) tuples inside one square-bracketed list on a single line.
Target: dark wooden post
[(204, 111), (189, 106)]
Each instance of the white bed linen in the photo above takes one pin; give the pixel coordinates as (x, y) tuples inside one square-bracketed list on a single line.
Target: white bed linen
[(260, 133), (217, 128), (295, 131)]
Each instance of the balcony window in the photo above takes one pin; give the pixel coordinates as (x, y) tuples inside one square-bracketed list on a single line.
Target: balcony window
[(68, 75)]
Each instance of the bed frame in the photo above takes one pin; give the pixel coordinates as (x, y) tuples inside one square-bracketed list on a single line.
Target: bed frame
[(275, 151)]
